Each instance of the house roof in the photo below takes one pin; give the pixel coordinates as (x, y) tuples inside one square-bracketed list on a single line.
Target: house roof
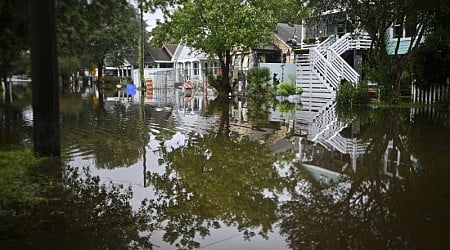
[(171, 48), (159, 54), (286, 31)]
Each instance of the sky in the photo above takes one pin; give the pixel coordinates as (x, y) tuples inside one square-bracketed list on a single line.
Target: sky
[(150, 18)]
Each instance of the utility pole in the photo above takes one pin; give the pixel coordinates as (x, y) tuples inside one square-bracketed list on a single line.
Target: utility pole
[(141, 46)]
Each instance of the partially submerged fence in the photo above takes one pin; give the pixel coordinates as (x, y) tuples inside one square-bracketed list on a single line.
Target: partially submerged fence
[(429, 94)]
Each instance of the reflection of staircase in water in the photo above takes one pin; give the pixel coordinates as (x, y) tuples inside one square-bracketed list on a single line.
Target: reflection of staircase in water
[(318, 121)]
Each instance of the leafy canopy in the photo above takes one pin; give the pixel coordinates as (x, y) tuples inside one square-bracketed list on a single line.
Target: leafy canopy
[(216, 27)]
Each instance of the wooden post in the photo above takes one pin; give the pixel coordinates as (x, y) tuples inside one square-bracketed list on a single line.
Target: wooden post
[(46, 124)]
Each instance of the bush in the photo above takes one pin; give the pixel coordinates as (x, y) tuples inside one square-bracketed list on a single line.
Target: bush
[(257, 81), (349, 96), (287, 89)]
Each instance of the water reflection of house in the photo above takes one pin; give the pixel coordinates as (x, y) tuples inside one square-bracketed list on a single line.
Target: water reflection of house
[(336, 146), (274, 133)]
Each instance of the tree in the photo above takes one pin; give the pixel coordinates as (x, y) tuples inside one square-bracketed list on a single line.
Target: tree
[(431, 63), (219, 27), (46, 122), (13, 36), (387, 63), (258, 82), (114, 32)]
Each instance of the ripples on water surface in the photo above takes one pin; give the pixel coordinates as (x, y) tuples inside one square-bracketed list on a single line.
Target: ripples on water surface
[(240, 174)]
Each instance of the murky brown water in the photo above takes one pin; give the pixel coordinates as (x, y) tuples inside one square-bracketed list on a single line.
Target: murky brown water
[(184, 172)]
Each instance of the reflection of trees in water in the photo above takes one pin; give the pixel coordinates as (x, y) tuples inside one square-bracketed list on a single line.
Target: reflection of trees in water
[(73, 212), (116, 137), (375, 210), (258, 110), (212, 181), (15, 127)]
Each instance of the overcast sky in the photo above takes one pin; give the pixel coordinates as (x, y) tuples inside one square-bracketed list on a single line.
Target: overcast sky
[(150, 18)]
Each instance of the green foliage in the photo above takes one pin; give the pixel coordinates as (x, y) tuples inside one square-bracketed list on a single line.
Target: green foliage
[(377, 69), (286, 107), (68, 65), (21, 65), (219, 27), (349, 96), (39, 200), (431, 62), (258, 82), (287, 89), (13, 35), (92, 32), (216, 27), (15, 182)]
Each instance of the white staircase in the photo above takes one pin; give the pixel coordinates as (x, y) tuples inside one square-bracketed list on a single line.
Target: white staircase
[(320, 69)]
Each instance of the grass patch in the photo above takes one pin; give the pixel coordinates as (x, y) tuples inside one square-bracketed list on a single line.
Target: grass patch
[(17, 176)]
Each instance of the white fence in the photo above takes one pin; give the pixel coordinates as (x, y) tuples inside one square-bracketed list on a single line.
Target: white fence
[(162, 78), (429, 94)]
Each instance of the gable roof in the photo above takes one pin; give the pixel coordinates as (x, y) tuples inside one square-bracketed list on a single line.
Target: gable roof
[(170, 48), (286, 31), (159, 54)]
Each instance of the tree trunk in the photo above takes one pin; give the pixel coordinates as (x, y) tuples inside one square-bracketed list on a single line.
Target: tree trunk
[(225, 79), (46, 123), (7, 90), (224, 126), (100, 70)]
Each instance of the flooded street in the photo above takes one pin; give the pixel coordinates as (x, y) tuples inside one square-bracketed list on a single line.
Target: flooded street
[(176, 171)]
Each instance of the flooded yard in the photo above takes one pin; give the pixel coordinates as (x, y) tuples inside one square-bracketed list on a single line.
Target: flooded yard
[(176, 171)]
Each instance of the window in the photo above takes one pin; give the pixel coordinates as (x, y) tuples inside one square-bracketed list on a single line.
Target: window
[(216, 68), (205, 68), (195, 67), (397, 31), (402, 30)]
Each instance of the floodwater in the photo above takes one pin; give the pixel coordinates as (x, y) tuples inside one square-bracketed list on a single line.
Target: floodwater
[(176, 171)]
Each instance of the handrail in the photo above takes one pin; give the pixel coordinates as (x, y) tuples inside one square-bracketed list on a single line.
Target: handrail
[(323, 46), (325, 70), (342, 44), (345, 43), (347, 71), (329, 66)]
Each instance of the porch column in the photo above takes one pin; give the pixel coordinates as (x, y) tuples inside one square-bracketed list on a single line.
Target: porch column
[(200, 73)]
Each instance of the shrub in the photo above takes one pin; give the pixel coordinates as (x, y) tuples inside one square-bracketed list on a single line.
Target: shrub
[(286, 89), (349, 96), (257, 81)]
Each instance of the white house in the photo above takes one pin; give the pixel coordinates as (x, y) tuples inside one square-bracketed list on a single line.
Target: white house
[(193, 65)]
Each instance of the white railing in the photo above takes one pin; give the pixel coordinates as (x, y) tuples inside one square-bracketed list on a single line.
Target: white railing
[(364, 41), (341, 66), (323, 119), (328, 64), (342, 44), (347, 145), (345, 43), (325, 70), (323, 46)]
